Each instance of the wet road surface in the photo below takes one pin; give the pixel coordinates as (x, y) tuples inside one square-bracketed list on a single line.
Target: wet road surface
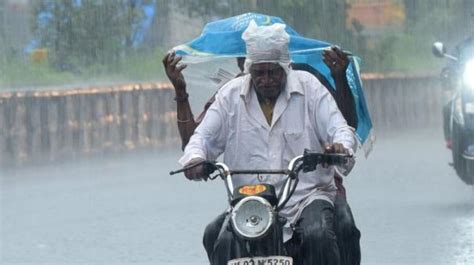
[(408, 203)]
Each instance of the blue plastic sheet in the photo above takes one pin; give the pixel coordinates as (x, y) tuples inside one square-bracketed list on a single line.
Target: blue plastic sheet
[(222, 38)]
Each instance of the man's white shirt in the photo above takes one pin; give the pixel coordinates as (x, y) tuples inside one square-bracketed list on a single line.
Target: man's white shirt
[(305, 116)]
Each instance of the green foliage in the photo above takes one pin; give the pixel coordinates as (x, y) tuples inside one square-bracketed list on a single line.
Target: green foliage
[(20, 74), (438, 20), (138, 66), (88, 43), (96, 32), (92, 42)]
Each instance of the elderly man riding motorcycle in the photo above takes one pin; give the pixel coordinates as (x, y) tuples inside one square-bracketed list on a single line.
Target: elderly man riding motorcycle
[(265, 117)]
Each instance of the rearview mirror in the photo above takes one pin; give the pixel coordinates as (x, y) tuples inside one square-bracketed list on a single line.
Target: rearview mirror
[(438, 49)]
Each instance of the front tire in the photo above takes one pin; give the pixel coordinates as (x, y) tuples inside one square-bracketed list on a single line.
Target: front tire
[(464, 167), (466, 171), (469, 177)]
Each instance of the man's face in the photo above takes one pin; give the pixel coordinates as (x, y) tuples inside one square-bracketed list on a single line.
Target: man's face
[(268, 78)]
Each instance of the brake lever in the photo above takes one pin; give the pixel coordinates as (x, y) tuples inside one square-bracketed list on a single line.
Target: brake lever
[(209, 167)]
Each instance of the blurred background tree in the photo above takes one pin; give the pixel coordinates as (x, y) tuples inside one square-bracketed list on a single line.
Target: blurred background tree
[(85, 33), (88, 39), (389, 35), (2, 35)]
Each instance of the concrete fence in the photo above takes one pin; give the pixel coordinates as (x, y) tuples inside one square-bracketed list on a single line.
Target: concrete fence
[(46, 126), (38, 127), (399, 102)]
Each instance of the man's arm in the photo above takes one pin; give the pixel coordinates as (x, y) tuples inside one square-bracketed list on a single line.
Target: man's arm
[(331, 127), (338, 61), (186, 122), (209, 139)]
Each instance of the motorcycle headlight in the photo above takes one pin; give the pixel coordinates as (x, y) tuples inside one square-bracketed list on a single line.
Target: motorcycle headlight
[(252, 217), (468, 74)]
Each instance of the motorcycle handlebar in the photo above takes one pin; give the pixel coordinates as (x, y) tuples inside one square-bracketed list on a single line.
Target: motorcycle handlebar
[(306, 162), (310, 161)]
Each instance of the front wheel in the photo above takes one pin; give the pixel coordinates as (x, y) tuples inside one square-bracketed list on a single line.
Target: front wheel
[(466, 171), (464, 166)]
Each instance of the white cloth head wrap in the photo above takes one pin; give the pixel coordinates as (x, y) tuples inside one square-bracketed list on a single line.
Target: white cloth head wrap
[(266, 44)]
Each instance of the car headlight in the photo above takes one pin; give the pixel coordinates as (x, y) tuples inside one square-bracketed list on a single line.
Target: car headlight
[(252, 217), (468, 74)]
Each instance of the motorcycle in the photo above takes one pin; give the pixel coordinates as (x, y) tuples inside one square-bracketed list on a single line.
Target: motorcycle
[(459, 111), (253, 211)]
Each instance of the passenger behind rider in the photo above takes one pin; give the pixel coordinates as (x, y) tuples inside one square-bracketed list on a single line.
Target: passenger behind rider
[(348, 236)]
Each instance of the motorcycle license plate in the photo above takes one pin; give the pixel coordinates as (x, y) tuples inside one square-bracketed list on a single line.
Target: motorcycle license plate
[(271, 260), (470, 108)]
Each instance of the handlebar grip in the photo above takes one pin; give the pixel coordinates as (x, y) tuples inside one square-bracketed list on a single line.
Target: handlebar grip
[(311, 160)]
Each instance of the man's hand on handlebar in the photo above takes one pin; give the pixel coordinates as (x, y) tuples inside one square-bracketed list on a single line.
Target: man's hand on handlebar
[(196, 173), (335, 148)]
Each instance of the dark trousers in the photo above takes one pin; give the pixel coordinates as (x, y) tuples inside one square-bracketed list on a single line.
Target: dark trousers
[(211, 234), (314, 241), (348, 236)]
